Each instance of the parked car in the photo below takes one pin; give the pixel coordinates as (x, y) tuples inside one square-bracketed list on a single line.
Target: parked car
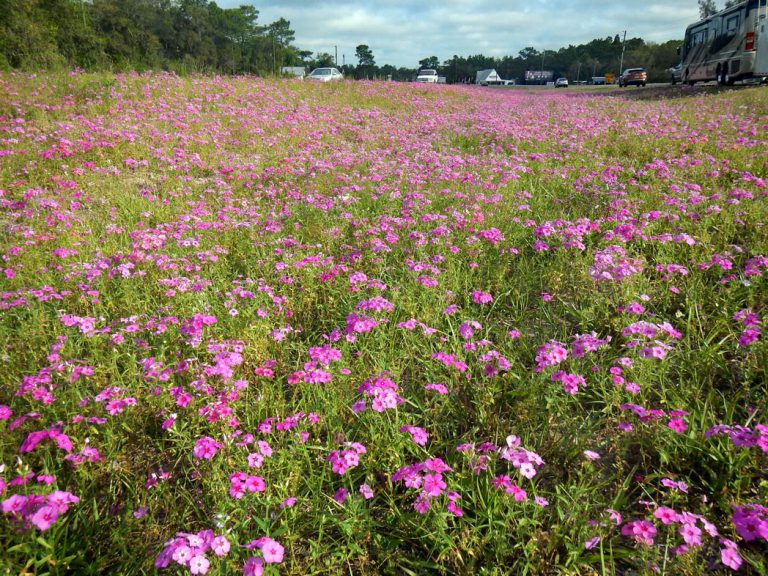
[(325, 75), (676, 74), (636, 76), (561, 83)]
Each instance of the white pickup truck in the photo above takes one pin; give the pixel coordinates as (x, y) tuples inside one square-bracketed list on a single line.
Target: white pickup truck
[(427, 75)]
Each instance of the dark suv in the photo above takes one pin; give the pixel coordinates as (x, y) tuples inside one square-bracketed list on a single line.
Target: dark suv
[(636, 76)]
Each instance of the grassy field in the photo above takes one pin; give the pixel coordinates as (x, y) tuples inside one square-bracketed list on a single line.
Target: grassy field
[(272, 327)]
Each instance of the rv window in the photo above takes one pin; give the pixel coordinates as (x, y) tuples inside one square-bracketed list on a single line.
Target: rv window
[(732, 25)]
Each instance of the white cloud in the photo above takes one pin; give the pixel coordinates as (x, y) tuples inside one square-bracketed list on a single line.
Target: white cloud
[(401, 32)]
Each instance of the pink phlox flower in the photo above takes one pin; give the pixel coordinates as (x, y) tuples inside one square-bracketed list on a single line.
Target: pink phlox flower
[(585, 343), (418, 435), (199, 564), (437, 465), (271, 550), (205, 448), (550, 354), (341, 495), (729, 554), (592, 542), (467, 329), (253, 566), (44, 517), (751, 521), (678, 425), (666, 515), (439, 388), (264, 448), (749, 336), (591, 455), (366, 491), (690, 533), (641, 531), (480, 297), (434, 484), (571, 382), (325, 354)]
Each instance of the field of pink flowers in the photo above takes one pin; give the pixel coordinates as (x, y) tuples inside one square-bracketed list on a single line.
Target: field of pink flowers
[(269, 327)]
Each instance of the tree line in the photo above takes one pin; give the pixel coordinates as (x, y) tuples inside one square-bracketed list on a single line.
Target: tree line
[(199, 36), (577, 63), (180, 35)]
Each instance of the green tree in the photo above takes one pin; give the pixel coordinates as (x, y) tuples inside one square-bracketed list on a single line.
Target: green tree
[(46, 33), (364, 56), (366, 66), (323, 60), (432, 62), (707, 8), (281, 36), (125, 27)]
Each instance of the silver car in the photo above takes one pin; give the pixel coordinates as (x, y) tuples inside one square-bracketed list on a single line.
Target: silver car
[(325, 75), (676, 73)]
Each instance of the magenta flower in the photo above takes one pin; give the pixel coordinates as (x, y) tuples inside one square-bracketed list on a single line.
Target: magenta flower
[(678, 425), (749, 336), (480, 297), (272, 551), (551, 354), (366, 491), (44, 517), (591, 455), (253, 567), (205, 448), (220, 546), (751, 521), (418, 435), (641, 531), (666, 515), (182, 554), (341, 495), (729, 554), (592, 542), (199, 564), (433, 484), (690, 533)]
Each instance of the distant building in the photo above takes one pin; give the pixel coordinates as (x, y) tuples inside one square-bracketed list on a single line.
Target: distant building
[(488, 77), (295, 71)]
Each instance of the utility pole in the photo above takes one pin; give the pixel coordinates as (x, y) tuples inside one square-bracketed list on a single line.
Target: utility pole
[(336, 55), (621, 63)]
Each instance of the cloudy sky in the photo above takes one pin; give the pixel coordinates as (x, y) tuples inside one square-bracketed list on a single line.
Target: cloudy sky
[(402, 32)]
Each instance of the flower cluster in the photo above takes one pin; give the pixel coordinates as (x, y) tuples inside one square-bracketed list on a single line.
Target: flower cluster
[(751, 521), (550, 354), (192, 551), (38, 510), (240, 483), (642, 332), (526, 461), (382, 392), (742, 436), (427, 479), (751, 323), (344, 460), (613, 265)]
